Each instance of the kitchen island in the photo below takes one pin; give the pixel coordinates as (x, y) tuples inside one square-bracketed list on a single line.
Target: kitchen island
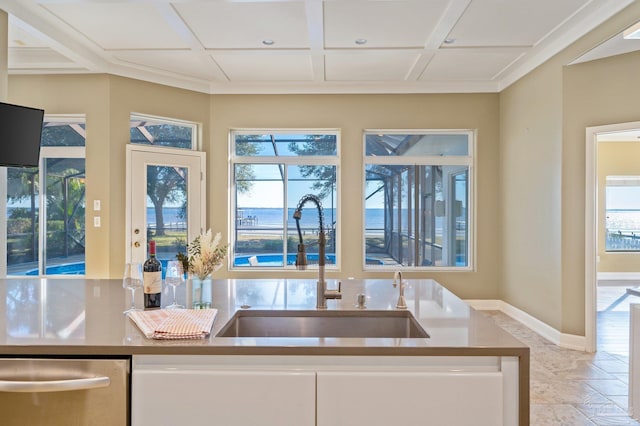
[(78, 317)]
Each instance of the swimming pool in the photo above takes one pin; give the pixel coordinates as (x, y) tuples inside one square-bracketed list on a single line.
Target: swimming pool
[(276, 260), (78, 268)]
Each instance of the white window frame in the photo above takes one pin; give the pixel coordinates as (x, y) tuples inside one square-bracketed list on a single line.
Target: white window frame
[(427, 160), (321, 160)]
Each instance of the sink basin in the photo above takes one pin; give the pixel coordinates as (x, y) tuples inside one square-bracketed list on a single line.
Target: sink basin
[(256, 323)]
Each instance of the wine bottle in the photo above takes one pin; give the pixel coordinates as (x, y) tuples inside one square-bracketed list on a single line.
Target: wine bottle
[(152, 277)]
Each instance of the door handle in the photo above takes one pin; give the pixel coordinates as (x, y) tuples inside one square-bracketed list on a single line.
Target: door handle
[(54, 385)]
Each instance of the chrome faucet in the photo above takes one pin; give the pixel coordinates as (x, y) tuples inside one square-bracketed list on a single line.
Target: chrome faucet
[(301, 257), (397, 280)]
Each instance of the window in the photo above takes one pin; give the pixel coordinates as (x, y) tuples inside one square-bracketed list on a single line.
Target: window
[(622, 216), (52, 243), (166, 132), (272, 171), (418, 199)]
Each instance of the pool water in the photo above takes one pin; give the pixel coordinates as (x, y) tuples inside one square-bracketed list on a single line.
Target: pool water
[(78, 268)]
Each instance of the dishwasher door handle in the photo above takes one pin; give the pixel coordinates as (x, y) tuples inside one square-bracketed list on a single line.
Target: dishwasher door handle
[(54, 385)]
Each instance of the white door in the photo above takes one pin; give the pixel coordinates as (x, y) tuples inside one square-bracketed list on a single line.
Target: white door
[(165, 200)]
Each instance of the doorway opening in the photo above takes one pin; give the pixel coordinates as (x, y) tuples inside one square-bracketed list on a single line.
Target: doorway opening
[(612, 242)]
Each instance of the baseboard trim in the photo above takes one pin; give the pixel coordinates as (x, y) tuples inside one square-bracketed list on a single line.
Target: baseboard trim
[(568, 341)]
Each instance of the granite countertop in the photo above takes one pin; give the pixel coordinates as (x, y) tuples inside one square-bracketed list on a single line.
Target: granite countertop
[(84, 317)]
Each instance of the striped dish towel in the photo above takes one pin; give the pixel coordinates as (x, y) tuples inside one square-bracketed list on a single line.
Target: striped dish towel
[(175, 323)]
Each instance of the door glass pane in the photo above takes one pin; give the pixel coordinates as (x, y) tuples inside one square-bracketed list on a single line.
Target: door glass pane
[(166, 212), (22, 221), (65, 215)]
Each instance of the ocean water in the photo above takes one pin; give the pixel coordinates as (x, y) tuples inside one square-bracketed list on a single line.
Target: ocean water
[(272, 217)]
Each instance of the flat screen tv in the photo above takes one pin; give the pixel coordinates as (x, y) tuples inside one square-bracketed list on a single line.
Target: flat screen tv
[(20, 133)]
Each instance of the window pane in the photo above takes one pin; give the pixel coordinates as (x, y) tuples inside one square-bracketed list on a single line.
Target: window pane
[(63, 134), (285, 145), (417, 145), (159, 133), (22, 221), (319, 181), (259, 229), (622, 219), (65, 219)]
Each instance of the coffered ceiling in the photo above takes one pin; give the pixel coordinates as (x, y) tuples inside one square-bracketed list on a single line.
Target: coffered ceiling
[(300, 46)]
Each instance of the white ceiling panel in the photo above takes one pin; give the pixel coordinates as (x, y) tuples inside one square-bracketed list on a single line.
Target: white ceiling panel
[(381, 23), (179, 62), (228, 25), (216, 46), (511, 22), (261, 67), (378, 66), (464, 64), (119, 25)]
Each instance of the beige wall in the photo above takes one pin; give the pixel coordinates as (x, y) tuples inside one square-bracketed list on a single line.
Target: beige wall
[(107, 101), (531, 177), (615, 159), (543, 121), (352, 114)]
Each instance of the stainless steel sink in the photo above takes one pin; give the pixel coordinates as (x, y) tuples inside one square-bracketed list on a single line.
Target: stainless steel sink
[(391, 324)]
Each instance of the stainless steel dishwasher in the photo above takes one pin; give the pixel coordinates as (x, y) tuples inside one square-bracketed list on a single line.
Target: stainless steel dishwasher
[(87, 392)]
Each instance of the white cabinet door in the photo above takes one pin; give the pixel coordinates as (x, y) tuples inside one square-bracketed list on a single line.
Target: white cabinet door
[(409, 398), (222, 397)]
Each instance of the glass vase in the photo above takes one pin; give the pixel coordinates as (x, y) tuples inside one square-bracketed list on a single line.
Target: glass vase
[(200, 292)]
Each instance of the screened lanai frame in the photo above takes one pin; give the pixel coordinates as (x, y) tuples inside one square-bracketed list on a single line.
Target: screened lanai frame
[(397, 152), (274, 152)]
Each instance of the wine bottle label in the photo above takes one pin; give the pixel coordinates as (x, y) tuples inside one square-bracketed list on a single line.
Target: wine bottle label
[(152, 282)]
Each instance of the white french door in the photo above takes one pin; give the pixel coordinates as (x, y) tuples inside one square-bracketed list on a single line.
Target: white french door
[(165, 199)]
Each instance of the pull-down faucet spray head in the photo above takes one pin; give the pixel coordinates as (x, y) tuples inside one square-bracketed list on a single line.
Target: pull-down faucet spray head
[(301, 256)]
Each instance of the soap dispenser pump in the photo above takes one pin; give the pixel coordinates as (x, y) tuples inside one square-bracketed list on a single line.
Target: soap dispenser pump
[(397, 280)]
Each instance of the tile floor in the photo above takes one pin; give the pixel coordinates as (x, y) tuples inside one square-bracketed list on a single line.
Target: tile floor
[(578, 388)]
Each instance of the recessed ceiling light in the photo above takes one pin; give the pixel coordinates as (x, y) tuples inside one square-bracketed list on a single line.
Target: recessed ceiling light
[(268, 42), (633, 32), (361, 41), (449, 40)]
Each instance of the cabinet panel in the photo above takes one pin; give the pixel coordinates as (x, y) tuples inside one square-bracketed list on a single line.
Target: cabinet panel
[(221, 397), (409, 398)]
